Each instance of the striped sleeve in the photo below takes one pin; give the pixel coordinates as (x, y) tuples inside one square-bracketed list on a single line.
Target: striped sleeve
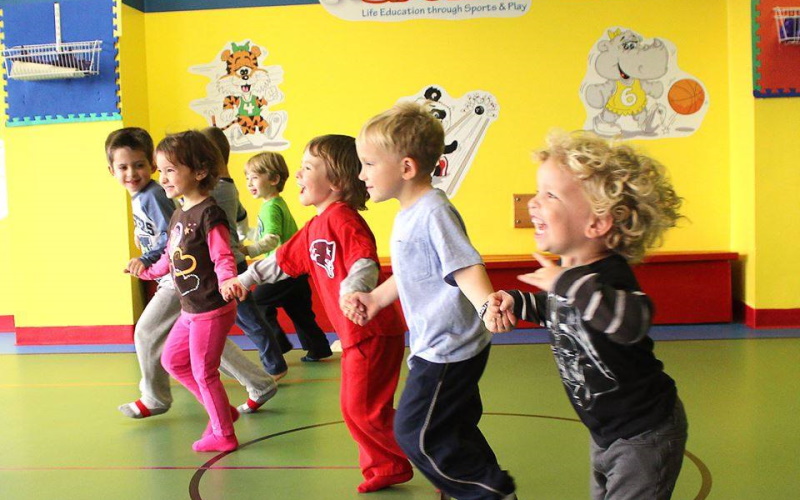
[(625, 316), (529, 306)]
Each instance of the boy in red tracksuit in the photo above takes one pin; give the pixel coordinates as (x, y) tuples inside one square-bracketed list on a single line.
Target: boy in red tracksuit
[(338, 250)]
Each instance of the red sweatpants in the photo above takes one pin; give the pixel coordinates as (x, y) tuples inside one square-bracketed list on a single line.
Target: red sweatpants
[(370, 372)]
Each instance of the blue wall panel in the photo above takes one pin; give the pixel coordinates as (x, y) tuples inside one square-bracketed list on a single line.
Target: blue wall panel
[(89, 98)]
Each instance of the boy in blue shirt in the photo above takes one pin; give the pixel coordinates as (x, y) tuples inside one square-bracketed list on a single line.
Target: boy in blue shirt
[(130, 153), (435, 268)]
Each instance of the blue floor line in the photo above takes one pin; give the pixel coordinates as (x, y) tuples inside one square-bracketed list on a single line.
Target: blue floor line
[(721, 331)]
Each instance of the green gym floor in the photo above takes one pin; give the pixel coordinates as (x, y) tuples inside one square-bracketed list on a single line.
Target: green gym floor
[(61, 436)]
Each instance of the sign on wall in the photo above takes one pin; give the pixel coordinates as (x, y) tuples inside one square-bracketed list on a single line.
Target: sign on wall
[(465, 121), (404, 10), (240, 98), (634, 88)]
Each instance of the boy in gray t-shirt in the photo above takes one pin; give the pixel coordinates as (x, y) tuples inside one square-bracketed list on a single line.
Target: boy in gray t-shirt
[(443, 288), (429, 245)]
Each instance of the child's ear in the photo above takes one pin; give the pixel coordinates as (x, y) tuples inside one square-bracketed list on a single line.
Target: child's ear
[(410, 168), (599, 225), (111, 170), (200, 174)]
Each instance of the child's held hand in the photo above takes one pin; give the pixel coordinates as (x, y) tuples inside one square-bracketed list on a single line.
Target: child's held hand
[(233, 289), (135, 267), (356, 307), (545, 277), (499, 316)]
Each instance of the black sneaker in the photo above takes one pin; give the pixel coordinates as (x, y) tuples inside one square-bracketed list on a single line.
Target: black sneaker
[(313, 357), (286, 347)]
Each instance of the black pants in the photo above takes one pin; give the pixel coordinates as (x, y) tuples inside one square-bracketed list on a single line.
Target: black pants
[(436, 425), (294, 296)]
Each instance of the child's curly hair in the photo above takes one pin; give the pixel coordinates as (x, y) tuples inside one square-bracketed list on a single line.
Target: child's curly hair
[(631, 187)]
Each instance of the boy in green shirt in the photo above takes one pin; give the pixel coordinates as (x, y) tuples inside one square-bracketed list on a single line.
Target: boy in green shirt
[(266, 175)]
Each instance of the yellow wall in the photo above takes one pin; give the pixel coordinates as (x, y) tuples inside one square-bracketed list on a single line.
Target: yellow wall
[(133, 69), (6, 291), (742, 150), (533, 65), (777, 234), (736, 173), (66, 240), (134, 107), (68, 231)]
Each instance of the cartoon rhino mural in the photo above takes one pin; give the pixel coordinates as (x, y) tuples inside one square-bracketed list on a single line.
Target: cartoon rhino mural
[(632, 71)]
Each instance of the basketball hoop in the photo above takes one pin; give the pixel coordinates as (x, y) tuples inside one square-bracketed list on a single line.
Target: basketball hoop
[(787, 22)]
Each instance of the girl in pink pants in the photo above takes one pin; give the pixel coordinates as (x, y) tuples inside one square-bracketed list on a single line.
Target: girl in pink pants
[(199, 257)]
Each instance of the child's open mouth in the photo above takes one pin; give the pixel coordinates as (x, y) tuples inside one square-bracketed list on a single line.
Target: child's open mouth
[(539, 225)]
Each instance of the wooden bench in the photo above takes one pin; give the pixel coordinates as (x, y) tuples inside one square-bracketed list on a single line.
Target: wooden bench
[(686, 287)]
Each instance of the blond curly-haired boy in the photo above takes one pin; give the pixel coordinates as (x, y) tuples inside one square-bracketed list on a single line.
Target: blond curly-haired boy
[(599, 206)]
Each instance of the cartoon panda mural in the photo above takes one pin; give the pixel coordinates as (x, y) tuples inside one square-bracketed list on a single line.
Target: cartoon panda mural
[(442, 112), (465, 122)]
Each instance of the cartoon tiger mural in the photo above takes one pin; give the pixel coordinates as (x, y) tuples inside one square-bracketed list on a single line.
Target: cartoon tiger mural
[(246, 87), (240, 94)]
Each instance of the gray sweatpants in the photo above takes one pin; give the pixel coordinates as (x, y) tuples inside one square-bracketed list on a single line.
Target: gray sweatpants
[(149, 335), (643, 466)]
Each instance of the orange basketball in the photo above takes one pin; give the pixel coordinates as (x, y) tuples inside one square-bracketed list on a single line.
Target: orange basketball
[(686, 96)]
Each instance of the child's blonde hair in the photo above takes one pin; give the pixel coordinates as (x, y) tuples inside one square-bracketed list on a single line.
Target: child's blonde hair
[(409, 130), (271, 164), (342, 166), (629, 186), (195, 151)]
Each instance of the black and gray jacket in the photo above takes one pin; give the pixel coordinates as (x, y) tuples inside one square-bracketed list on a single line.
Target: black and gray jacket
[(598, 320)]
